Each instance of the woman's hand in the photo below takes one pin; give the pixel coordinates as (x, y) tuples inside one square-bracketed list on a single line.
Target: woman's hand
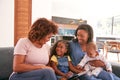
[(45, 67), (97, 63), (79, 67), (19, 65)]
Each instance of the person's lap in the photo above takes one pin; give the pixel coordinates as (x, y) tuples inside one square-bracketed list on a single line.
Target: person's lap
[(41, 74), (114, 77), (102, 76), (87, 77)]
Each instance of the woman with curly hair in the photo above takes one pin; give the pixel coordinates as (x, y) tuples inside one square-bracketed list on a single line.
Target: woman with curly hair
[(31, 54)]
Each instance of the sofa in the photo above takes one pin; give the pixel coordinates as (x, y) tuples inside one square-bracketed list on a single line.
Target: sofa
[(6, 63)]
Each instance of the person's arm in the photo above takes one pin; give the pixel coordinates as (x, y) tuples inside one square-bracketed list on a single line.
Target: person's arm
[(83, 62), (49, 62), (19, 64), (107, 64), (97, 63), (73, 68), (57, 71)]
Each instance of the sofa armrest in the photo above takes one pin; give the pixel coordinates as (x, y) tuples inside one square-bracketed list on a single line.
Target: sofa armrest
[(6, 62), (116, 68)]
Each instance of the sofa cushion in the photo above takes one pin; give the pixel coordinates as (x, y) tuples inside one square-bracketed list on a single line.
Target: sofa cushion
[(6, 62)]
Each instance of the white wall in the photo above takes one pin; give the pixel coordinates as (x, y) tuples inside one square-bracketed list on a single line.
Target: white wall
[(85, 9), (90, 10), (48, 8), (6, 23), (41, 8)]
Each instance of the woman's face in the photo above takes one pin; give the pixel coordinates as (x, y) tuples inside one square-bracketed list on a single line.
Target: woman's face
[(82, 36), (61, 49), (44, 40)]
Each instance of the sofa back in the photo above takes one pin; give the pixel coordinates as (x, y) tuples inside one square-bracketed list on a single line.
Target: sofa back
[(6, 62), (116, 68)]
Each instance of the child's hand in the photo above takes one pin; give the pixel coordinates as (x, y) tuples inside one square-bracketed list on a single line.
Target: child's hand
[(109, 71), (69, 74), (79, 67), (63, 78)]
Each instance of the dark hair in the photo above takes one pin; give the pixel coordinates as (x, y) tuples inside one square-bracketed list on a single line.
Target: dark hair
[(41, 28), (53, 48), (88, 29)]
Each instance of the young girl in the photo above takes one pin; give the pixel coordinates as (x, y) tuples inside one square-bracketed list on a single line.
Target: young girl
[(91, 55), (60, 60)]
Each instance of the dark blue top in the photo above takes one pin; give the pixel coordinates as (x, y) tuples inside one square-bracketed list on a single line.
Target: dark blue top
[(76, 52)]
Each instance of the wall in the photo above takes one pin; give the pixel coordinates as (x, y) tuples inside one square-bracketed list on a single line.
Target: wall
[(6, 23), (41, 8), (22, 20)]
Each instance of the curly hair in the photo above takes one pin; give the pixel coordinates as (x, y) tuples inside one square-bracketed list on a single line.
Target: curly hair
[(88, 29), (41, 28), (53, 48)]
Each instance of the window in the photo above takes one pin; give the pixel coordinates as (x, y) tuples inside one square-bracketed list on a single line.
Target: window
[(109, 26)]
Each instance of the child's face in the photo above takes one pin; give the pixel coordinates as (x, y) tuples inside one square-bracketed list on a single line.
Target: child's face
[(61, 49), (91, 52)]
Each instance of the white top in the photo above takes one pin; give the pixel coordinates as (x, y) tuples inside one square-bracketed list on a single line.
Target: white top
[(34, 55), (94, 70)]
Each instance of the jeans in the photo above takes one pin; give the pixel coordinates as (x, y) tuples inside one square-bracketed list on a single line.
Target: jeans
[(41, 74), (114, 77), (102, 76), (86, 77)]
